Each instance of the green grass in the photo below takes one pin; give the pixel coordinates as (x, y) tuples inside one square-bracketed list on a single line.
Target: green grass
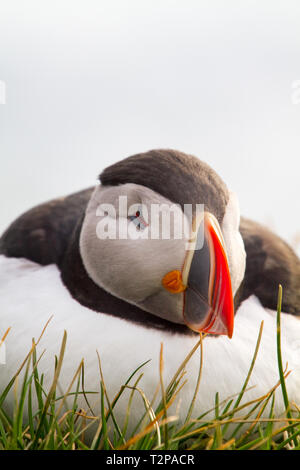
[(235, 426)]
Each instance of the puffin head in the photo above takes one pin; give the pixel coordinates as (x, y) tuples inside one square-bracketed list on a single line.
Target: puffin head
[(161, 232)]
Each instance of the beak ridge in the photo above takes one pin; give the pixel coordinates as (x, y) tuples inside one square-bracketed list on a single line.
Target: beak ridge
[(208, 299)]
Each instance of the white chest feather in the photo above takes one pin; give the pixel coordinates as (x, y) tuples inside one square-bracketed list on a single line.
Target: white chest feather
[(30, 294)]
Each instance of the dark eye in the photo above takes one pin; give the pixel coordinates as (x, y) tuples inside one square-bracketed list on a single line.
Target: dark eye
[(138, 220)]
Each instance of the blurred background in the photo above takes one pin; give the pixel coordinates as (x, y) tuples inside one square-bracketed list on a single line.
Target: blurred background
[(88, 83)]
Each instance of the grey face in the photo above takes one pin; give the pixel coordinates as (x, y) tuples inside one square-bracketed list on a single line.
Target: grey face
[(133, 268)]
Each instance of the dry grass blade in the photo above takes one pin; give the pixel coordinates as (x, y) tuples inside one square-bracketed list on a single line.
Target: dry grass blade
[(164, 400), (53, 386), (4, 336), (110, 409), (69, 388), (189, 414), (146, 431), (182, 365), (149, 410)]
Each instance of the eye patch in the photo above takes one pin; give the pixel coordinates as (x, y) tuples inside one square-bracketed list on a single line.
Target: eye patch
[(138, 219)]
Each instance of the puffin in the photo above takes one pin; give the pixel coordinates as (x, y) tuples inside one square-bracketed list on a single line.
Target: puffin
[(99, 265)]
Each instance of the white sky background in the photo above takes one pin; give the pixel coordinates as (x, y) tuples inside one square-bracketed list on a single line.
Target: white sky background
[(91, 82)]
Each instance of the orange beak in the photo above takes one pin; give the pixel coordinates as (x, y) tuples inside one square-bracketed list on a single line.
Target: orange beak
[(208, 299)]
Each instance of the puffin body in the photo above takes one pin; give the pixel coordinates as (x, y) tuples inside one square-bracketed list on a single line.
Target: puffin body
[(124, 298)]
